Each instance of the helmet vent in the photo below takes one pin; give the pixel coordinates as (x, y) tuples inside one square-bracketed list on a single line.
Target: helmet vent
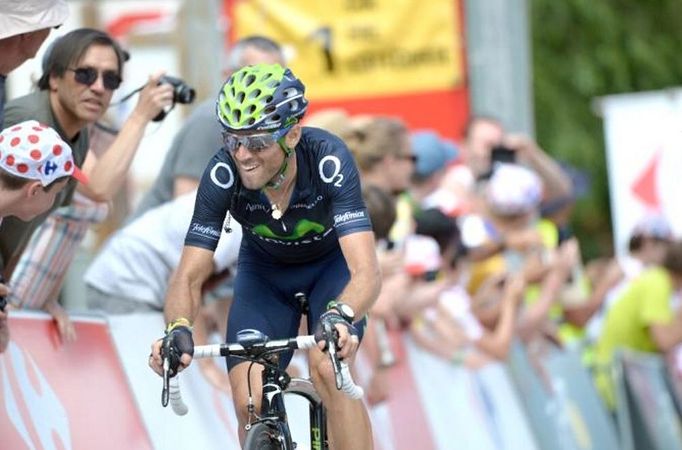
[(269, 109), (236, 115), (255, 93), (240, 97), (290, 92), (249, 80)]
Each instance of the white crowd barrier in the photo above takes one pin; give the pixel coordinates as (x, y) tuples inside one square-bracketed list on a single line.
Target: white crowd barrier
[(98, 392)]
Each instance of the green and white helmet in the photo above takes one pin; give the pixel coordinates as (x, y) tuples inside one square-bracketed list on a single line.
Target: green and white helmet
[(263, 97)]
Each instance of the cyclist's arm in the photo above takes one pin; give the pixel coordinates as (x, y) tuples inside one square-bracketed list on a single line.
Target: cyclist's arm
[(365, 277), (184, 291)]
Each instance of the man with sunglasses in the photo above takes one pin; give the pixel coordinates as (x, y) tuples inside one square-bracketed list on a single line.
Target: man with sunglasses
[(296, 193), (80, 75)]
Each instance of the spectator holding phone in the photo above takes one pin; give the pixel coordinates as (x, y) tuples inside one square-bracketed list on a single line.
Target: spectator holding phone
[(486, 144)]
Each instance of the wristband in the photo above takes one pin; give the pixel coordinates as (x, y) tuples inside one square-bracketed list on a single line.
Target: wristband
[(180, 322)]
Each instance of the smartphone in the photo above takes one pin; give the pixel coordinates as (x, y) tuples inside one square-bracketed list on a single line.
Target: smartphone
[(502, 154)]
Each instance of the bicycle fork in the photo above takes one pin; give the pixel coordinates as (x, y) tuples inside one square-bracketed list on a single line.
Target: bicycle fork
[(318, 415)]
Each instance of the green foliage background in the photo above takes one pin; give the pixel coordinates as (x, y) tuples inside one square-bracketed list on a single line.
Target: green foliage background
[(584, 49)]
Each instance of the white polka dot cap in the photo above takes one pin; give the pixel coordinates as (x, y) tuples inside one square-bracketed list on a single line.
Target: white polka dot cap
[(513, 189), (35, 151)]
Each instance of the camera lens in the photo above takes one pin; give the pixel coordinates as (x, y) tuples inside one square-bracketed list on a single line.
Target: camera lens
[(184, 94)]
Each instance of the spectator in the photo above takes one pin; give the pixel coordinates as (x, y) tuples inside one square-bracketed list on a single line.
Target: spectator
[(647, 246), (381, 210), (642, 319), (434, 155), (34, 165), (81, 73), (24, 26), (201, 136), (510, 216), (381, 146), (481, 135), (448, 327), (131, 272)]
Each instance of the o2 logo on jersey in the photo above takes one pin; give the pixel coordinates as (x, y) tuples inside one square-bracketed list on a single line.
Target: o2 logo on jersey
[(217, 174), (334, 176)]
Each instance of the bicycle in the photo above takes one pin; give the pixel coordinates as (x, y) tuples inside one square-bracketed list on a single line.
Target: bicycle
[(270, 429)]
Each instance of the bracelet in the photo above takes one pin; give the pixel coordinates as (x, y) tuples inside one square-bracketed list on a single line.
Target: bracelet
[(180, 322)]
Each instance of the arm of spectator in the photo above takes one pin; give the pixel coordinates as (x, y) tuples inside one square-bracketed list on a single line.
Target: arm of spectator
[(67, 332), (107, 173), (418, 296), (393, 290), (579, 316), (556, 183), (427, 341), (666, 336), (183, 185), (533, 317), (498, 342)]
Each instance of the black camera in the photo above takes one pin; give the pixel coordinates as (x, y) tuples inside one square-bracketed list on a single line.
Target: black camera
[(182, 93), (3, 299), (502, 154)]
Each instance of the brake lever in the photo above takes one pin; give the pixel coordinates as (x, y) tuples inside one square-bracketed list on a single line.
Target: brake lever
[(330, 336), (165, 392)]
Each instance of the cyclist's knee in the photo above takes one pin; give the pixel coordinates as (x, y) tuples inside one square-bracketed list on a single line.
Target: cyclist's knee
[(322, 372), (240, 390)]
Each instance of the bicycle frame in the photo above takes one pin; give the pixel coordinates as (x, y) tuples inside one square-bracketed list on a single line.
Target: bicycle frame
[(275, 384), (318, 415)]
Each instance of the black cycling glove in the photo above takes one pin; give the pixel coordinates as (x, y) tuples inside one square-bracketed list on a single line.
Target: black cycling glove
[(329, 320), (178, 341)]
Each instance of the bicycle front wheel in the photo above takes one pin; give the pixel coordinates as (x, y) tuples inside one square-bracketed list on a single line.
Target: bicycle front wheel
[(264, 436)]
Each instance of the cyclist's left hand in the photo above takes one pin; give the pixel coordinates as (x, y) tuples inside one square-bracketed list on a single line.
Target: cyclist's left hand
[(347, 341)]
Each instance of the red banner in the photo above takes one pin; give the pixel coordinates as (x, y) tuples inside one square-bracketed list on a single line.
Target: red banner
[(72, 396)]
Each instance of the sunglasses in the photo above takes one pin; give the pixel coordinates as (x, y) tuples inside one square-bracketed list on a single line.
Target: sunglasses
[(412, 158), (254, 143), (88, 76)]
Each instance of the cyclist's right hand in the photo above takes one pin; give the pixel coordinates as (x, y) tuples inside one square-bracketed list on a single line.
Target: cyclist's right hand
[(177, 346)]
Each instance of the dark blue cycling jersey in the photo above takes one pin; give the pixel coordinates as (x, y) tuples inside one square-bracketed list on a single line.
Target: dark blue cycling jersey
[(326, 203)]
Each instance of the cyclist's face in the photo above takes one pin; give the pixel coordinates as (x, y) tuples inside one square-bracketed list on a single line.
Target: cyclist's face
[(258, 156)]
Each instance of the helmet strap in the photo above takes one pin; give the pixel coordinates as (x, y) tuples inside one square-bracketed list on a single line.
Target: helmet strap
[(278, 179)]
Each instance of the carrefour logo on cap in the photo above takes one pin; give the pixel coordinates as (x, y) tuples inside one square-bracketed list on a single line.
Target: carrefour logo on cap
[(49, 167)]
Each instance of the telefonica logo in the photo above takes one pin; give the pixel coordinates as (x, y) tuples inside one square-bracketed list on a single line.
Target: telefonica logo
[(348, 216), (32, 406), (205, 230)]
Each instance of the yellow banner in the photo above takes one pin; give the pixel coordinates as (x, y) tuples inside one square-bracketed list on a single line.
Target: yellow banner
[(357, 48)]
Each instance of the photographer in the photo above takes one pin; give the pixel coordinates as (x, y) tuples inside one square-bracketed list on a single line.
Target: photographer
[(80, 75)]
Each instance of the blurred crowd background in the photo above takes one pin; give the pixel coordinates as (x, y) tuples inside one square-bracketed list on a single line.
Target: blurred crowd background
[(508, 218)]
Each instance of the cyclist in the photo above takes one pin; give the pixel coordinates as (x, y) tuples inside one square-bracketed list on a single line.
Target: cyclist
[(296, 193)]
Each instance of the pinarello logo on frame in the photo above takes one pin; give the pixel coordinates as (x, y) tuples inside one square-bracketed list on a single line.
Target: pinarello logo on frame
[(33, 408)]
